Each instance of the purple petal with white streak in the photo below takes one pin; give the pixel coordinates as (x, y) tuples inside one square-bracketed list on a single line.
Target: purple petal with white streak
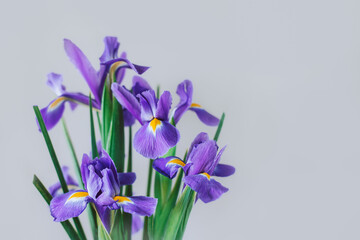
[(148, 103), (64, 207), (111, 49), (208, 189), (202, 157), (55, 83), (168, 166), (143, 206), (152, 144)]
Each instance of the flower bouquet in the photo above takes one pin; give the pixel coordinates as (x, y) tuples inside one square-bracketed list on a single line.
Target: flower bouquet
[(105, 175)]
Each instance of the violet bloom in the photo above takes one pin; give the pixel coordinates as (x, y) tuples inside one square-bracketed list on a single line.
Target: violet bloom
[(185, 92), (95, 175), (157, 135), (201, 164), (95, 80), (70, 182)]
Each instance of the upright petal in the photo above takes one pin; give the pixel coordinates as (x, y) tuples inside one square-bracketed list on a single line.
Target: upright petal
[(154, 140), (200, 138), (81, 62), (204, 116), (163, 106), (223, 170), (126, 178), (85, 162), (148, 103), (185, 92), (94, 182), (202, 157), (211, 167), (143, 206), (127, 100), (55, 83), (111, 49), (208, 189), (139, 85), (168, 166), (69, 205)]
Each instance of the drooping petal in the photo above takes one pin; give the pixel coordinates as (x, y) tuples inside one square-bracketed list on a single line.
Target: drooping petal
[(111, 49), (129, 119), (148, 103), (223, 170), (185, 92), (127, 100), (105, 216), (71, 183), (117, 63), (137, 223), (81, 62), (69, 205), (139, 85), (163, 106), (55, 83), (126, 178), (143, 206), (207, 188), (52, 113), (202, 157), (204, 116), (155, 138), (168, 166)]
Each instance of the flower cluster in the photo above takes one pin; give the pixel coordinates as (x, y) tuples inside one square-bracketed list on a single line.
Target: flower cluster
[(105, 184)]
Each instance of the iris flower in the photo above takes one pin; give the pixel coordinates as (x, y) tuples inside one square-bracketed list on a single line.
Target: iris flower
[(100, 178), (185, 92), (157, 135), (95, 79), (201, 164)]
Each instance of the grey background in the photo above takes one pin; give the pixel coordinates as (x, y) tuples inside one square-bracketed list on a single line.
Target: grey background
[(285, 72)]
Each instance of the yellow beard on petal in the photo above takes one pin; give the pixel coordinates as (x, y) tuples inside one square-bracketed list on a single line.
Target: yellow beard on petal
[(121, 199), (176, 161), (79, 195), (154, 124), (55, 103), (195, 105), (206, 175)]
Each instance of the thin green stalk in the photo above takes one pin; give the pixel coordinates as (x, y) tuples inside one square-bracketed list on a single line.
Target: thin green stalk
[(128, 190), (47, 197), (99, 122), (218, 130), (148, 191), (94, 150)]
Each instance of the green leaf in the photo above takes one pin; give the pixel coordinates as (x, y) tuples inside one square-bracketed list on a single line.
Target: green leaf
[(218, 130), (128, 190), (179, 212), (47, 197), (117, 229), (56, 164), (102, 233), (94, 150), (106, 108), (117, 140), (51, 149)]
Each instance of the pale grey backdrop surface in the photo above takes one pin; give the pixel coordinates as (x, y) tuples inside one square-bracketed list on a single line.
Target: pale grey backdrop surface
[(285, 72)]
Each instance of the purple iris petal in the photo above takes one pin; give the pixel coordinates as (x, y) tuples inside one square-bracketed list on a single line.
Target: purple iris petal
[(163, 106), (168, 166), (185, 92), (94, 182), (148, 103), (139, 85), (111, 49), (200, 138), (81, 62), (154, 140), (105, 216), (110, 188), (211, 167), (126, 178), (68, 179), (137, 223), (53, 112), (202, 157), (129, 119), (223, 170), (55, 83), (143, 206), (137, 68), (208, 189), (127, 100), (204, 116), (69, 205)]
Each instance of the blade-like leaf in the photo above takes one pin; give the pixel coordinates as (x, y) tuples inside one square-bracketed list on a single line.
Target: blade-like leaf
[(47, 197), (94, 150), (106, 108), (218, 130)]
